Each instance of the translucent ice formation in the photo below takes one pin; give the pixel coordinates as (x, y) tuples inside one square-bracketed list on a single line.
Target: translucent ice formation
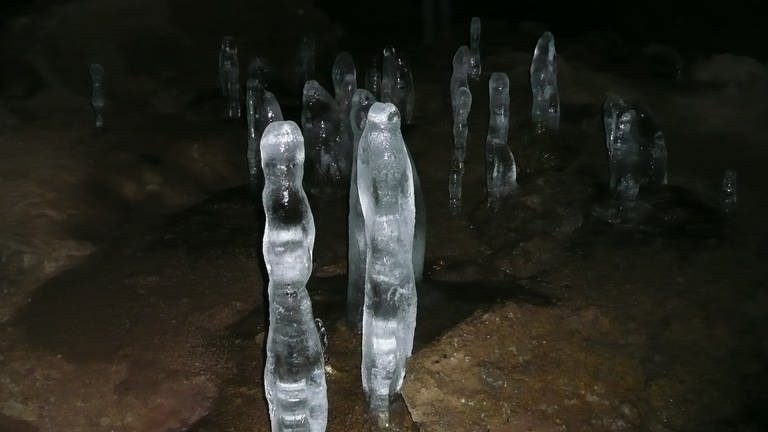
[(362, 101), (294, 375), (623, 148), (229, 76), (254, 98), (306, 68), (501, 171), (386, 191), (344, 76), (258, 68), (454, 190), (327, 161), (728, 191), (460, 72), (474, 46), (405, 92), (97, 92), (227, 60), (388, 74), (637, 152), (545, 106), (373, 77), (461, 108)]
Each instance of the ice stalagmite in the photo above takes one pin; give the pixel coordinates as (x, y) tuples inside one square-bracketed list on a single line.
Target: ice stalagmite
[(623, 148), (461, 107), (373, 77), (545, 106), (294, 375), (729, 191), (344, 76), (362, 101), (227, 60), (386, 191), (97, 93), (455, 178), (229, 77), (474, 46), (306, 58), (501, 171), (254, 97), (388, 74), (405, 92), (327, 164), (460, 72), (637, 151), (653, 149)]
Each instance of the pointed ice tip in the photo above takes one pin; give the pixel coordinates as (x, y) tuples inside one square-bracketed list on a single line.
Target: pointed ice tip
[(389, 50), (384, 115), (282, 140)]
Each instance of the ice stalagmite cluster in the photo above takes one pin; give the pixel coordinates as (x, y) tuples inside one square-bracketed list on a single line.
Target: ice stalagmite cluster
[(545, 106), (98, 99), (386, 191), (501, 171), (294, 376)]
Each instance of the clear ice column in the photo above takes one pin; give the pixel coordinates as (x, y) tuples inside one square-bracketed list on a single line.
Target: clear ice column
[(460, 72), (461, 108), (344, 76), (254, 98), (373, 77), (326, 162), (294, 375), (623, 147), (474, 46), (229, 76), (388, 74), (362, 100), (501, 171), (545, 107), (306, 59), (386, 189), (97, 93)]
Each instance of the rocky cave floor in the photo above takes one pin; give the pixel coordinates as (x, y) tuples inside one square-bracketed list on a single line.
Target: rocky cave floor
[(133, 300)]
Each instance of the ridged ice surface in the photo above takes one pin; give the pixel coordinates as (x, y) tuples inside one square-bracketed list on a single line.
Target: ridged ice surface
[(461, 107), (545, 105), (385, 185), (294, 375)]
